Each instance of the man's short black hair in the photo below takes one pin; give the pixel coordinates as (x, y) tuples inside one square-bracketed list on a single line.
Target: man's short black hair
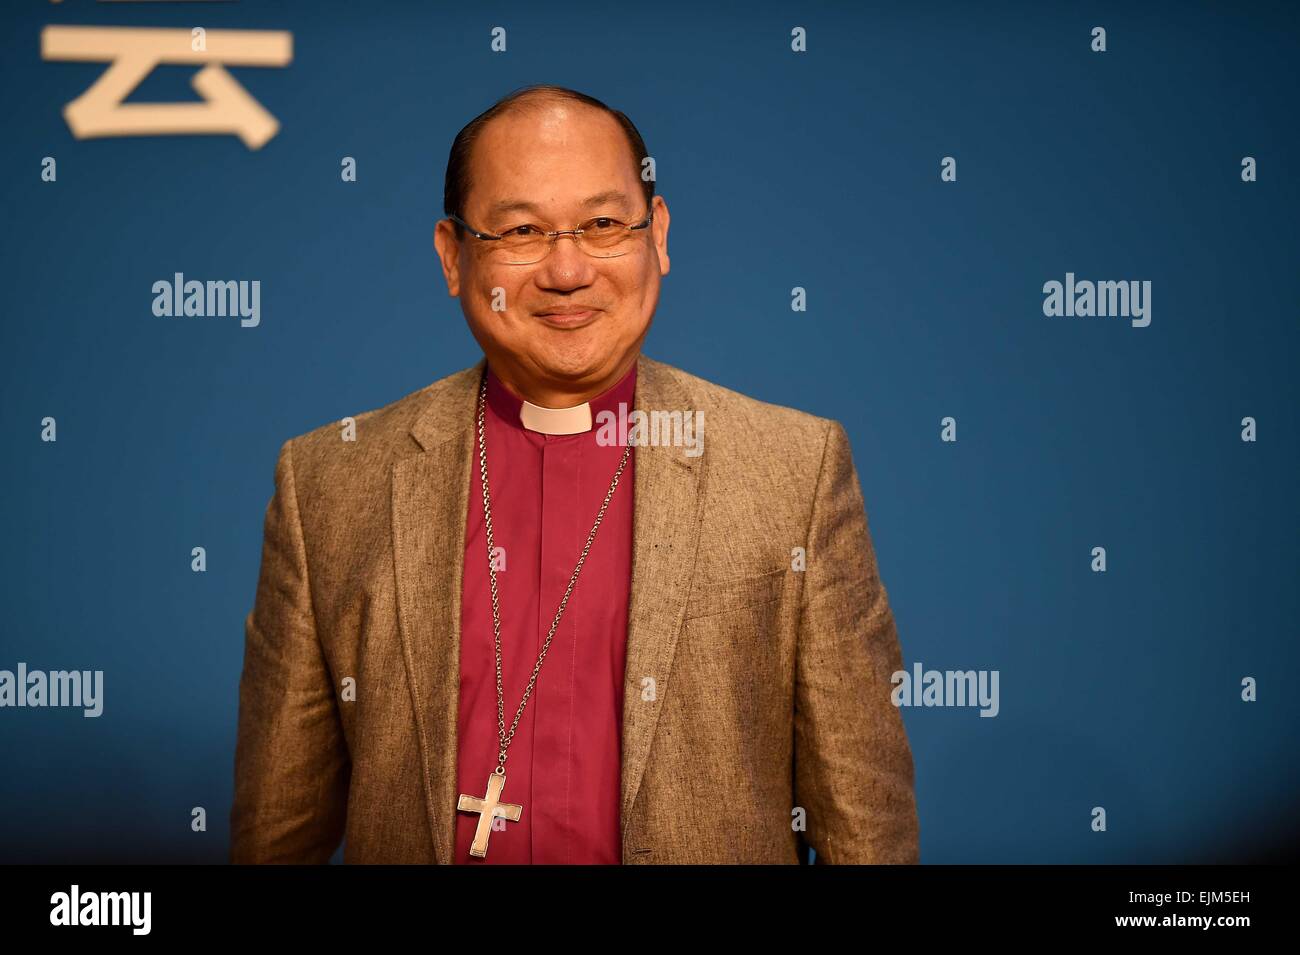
[(456, 186)]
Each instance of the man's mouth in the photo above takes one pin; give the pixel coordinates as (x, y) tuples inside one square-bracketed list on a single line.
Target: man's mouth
[(568, 316)]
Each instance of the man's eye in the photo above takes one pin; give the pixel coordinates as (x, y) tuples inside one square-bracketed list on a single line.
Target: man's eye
[(605, 222), (522, 232)]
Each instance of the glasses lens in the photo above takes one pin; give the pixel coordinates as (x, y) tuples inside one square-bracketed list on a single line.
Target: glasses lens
[(601, 237), (521, 245), (605, 237)]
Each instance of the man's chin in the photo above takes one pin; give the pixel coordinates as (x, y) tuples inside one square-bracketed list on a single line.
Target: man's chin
[(575, 366)]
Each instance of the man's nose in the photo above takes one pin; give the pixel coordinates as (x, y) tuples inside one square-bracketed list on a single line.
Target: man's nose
[(567, 266)]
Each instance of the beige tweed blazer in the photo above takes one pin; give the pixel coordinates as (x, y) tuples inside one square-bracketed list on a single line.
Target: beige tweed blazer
[(757, 691)]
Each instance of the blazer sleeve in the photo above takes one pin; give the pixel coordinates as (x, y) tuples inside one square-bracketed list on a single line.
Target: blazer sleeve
[(853, 764), (291, 758)]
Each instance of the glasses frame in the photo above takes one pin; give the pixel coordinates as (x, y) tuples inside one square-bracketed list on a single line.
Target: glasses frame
[(551, 237)]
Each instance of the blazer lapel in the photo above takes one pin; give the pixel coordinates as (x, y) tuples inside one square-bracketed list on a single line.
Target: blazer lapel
[(665, 532), (429, 499)]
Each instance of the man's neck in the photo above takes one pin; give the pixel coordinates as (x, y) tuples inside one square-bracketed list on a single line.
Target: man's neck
[(557, 395)]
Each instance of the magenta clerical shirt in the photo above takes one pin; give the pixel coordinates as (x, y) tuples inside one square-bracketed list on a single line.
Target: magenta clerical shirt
[(564, 763)]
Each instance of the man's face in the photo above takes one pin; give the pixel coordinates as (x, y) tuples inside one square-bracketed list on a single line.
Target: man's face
[(568, 162)]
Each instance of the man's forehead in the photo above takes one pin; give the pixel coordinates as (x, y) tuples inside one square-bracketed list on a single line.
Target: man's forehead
[(604, 198), (558, 123), (579, 153)]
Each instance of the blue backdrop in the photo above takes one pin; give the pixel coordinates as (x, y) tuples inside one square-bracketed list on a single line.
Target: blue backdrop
[(925, 299)]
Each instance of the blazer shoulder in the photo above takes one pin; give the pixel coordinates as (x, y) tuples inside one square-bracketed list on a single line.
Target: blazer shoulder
[(376, 436), (738, 413)]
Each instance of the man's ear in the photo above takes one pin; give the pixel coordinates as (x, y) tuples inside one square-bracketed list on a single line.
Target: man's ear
[(447, 245), (660, 228)]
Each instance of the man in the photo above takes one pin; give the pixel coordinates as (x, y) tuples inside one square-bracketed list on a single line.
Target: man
[(530, 614)]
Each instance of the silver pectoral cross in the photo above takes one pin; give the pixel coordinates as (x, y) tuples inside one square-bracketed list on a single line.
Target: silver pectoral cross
[(489, 807)]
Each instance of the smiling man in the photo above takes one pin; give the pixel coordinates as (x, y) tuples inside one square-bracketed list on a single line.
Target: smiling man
[(489, 629)]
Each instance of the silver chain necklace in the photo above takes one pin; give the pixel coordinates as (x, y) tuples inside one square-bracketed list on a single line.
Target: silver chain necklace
[(490, 806)]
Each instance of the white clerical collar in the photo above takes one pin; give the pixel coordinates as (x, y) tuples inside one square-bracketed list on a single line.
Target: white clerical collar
[(573, 420)]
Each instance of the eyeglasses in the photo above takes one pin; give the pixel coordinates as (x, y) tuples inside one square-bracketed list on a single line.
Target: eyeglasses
[(603, 237)]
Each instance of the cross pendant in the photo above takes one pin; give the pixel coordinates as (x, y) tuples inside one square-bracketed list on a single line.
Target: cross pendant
[(488, 807)]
